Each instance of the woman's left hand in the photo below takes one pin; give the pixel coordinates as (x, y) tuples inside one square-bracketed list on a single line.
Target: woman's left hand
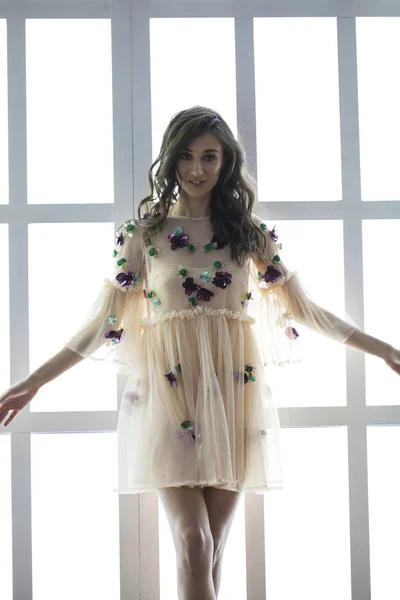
[(393, 360)]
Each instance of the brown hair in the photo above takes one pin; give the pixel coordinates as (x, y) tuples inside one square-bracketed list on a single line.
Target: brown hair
[(232, 198)]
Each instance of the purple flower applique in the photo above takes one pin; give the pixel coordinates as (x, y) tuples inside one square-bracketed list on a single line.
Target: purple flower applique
[(178, 239), (188, 435), (222, 279), (119, 239), (171, 378), (201, 293), (204, 294), (114, 336), (271, 274), (190, 286), (292, 333), (128, 279), (273, 234)]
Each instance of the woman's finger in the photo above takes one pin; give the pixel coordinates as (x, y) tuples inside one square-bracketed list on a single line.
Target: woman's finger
[(4, 413), (9, 420)]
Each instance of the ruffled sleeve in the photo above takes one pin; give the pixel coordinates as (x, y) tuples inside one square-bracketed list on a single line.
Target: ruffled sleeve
[(281, 299), (111, 329)]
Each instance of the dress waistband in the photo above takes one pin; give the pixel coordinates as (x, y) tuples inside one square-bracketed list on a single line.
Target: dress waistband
[(191, 313)]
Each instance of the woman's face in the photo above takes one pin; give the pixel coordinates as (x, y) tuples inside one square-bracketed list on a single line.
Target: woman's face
[(201, 161)]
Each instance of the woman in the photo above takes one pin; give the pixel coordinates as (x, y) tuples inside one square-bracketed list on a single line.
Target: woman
[(199, 303)]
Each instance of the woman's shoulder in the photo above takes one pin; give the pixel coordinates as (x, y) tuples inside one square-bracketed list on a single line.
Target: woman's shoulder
[(257, 218), (130, 224)]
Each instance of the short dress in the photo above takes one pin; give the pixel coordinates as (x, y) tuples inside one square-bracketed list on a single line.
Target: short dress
[(196, 333)]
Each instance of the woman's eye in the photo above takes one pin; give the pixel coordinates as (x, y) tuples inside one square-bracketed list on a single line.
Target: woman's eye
[(212, 156)]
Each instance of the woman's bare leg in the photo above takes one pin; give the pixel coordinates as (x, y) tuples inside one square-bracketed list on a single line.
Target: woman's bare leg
[(187, 515), (221, 507)]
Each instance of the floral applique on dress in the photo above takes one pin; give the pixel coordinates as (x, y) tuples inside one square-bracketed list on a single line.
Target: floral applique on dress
[(273, 275), (178, 238), (188, 433), (126, 278)]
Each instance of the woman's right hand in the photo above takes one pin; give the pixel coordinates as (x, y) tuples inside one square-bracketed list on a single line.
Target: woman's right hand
[(16, 398), (393, 360)]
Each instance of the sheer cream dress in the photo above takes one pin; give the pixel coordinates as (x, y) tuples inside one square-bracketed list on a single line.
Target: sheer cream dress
[(196, 334)]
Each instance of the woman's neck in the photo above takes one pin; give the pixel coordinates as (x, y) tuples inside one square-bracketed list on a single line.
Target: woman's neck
[(184, 208)]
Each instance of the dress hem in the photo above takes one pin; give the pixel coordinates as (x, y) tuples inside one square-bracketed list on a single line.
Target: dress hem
[(226, 485)]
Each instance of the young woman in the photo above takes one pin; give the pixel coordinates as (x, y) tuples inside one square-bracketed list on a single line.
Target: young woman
[(199, 305)]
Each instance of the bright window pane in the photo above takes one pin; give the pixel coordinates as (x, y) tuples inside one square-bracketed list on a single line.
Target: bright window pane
[(4, 310), (234, 558), (75, 523), (381, 248), (69, 111), (384, 518), (3, 114), (6, 556), (210, 67), (297, 109), (307, 528), (315, 250), (378, 51), (67, 266)]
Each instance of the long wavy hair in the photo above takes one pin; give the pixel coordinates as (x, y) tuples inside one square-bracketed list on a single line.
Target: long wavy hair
[(232, 198)]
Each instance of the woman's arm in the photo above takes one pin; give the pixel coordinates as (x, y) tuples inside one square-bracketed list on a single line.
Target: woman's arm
[(356, 339), (21, 393), (57, 364), (287, 293), (371, 345)]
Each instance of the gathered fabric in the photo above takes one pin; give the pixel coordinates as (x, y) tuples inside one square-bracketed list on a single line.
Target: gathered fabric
[(204, 425)]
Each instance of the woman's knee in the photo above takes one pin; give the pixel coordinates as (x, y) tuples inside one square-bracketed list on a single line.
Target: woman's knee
[(188, 517), (195, 547), (194, 538)]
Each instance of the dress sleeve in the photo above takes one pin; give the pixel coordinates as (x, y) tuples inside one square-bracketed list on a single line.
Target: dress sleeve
[(111, 329), (282, 299)]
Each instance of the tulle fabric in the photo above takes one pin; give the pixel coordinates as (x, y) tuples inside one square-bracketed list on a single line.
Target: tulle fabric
[(234, 443), (278, 306), (116, 307), (89, 340)]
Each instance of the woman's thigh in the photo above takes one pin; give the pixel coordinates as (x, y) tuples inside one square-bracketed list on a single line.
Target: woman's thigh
[(221, 508), (187, 514)]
